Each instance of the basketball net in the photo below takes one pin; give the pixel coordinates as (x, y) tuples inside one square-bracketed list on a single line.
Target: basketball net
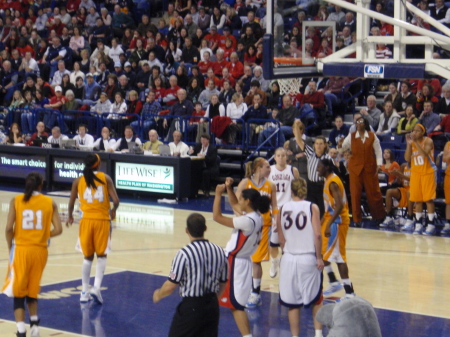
[(290, 86)]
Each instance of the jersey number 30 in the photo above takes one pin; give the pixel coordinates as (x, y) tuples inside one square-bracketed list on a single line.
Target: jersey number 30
[(87, 195), (28, 219), (300, 220)]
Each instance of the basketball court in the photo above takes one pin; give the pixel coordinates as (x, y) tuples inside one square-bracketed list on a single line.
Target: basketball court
[(405, 277)]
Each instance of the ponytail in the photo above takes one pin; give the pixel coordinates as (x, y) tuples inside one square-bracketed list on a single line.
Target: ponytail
[(251, 166), (32, 183), (91, 163), (257, 202)]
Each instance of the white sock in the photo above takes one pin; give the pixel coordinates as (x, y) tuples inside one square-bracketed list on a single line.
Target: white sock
[(329, 269), (256, 283), (34, 318), (99, 272), (388, 218), (419, 216), (86, 275), (431, 216), (346, 281), (447, 225), (319, 333), (250, 335), (21, 327)]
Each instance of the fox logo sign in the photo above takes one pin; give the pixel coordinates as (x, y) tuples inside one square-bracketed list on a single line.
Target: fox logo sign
[(374, 71)]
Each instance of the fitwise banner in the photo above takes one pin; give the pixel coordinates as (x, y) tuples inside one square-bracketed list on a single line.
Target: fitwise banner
[(145, 178)]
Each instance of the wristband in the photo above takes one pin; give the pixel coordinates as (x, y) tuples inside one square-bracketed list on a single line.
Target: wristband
[(275, 211)]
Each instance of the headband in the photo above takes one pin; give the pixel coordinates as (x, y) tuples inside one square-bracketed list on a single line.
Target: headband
[(97, 162), (422, 127)]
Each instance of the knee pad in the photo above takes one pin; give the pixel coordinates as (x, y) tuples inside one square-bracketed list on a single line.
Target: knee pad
[(19, 303), (31, 299)]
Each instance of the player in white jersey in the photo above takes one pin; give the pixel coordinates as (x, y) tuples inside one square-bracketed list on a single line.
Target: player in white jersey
[(301, 264), (281, 174), (244, 241)]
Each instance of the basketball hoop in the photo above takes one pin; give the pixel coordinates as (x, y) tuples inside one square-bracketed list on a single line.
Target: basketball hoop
[(290, 86)]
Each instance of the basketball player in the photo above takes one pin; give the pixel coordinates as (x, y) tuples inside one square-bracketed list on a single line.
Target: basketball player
[(335, 225), (256, 174), (398, 197), (28, 230), (301, 264), (242, 245), (281, 174), (420, 153), (446, 159), (94, 190)]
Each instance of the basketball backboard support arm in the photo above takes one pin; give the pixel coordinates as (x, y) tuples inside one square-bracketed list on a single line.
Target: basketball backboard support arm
[(365, 47)]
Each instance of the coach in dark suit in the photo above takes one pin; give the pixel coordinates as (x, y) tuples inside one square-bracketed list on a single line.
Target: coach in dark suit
[(210, 166)]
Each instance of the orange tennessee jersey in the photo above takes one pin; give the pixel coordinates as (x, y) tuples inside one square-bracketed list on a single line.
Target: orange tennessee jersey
[(421, 164), (33, 220), (264, 189), (94, 202), (330, 203), (447, 147)]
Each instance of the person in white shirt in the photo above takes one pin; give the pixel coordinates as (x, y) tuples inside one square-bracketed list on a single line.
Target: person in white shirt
[(103, 104), (235, 110), (58, 75), (83, 138), (100, 47), (122, 143), (177, 147), (29, 65), (115, 50), (118, 107), (56, 136), (105, 142)]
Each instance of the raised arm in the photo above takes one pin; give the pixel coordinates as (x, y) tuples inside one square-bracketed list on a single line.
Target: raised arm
[(217, 209)]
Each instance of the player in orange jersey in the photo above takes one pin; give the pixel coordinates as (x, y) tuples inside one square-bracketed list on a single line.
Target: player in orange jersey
[(420, 153), (28, 230), (94, 189), (256, 177), (446, 158)]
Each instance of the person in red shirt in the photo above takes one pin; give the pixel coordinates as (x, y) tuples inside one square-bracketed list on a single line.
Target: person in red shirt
[(314, 98), (169, 96), (386, 29), (37, 137), (210, 76), (206, 63), (57, 25), (229, 49), (227, 35), (57, 101), (220, 63), (213, 38), (227, 76), (134, 105), (72, 6), (236, 67)]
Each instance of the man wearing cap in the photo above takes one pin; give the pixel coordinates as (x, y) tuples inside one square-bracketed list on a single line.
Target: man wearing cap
[(190, 54), (213, 38), (58, 75), (129, 73), (92, 90), (53, 54), (118, 71), (143, 76), (56, 102)]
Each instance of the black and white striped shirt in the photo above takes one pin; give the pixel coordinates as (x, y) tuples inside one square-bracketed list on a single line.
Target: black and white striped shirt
[(313, 161), (199, 268)]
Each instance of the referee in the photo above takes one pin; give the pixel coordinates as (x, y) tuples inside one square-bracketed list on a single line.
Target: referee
[(201, 270), (314, 181)]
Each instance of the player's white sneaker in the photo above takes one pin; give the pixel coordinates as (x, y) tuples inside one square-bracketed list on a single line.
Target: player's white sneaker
[(85, 297), (387, 222), (334, 287), (274, 266), (346, 297), (34, 331), (96, 295), (419, 229), (408, 226), (445, 230), (253, 301), (431, 230)]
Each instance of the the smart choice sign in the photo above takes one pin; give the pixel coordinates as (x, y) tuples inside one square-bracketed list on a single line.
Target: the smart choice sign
[(144, 177), (374, 71)]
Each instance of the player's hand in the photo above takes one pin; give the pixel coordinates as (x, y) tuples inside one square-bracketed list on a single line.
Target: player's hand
[(229, 182), (69, 221), (408, 138), (220, 189), (320, 264), (113, 214), (328, 231), (156, 297)]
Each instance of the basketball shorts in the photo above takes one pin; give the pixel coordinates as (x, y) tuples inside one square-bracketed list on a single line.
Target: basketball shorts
[(239, 285), (300, 280), (94, 237), (333, 247), (422, 187), (25, 269), (403, 202), (262, 252), (447, 189)]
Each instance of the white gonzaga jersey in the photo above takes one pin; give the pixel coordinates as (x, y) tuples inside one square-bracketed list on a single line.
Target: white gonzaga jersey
[(282, 180), (297, 227), (246, 235)]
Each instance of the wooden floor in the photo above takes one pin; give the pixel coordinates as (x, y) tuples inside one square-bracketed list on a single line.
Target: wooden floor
[(393, 271)]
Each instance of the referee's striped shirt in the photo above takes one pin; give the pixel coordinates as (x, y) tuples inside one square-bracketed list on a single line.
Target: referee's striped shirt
[(313, 161), (198, 268)]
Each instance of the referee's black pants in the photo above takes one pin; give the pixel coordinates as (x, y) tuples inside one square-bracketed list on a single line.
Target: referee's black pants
[(196, 317), (315, 195)]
